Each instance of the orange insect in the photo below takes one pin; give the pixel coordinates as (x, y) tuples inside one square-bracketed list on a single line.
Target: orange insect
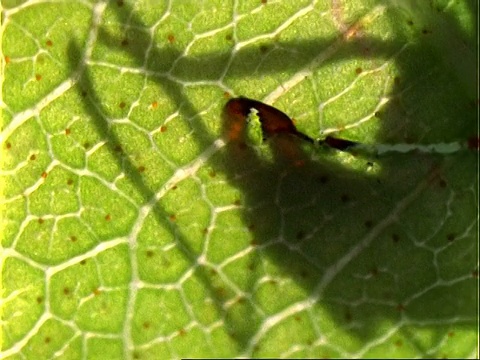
[(273, 121)]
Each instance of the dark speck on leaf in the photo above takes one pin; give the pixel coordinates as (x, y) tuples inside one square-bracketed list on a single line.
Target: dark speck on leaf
[(323, 179), (263, 48), (300, 235)]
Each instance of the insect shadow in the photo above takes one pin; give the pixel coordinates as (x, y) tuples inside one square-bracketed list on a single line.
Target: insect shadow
[(309, 216)]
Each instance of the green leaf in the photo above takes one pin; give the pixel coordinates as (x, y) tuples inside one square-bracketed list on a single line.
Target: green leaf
[(134, 225)]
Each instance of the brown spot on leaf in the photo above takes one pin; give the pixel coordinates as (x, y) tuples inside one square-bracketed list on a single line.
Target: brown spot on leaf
[(8, 145), (83, 262), (122, 105), (221, 292), (124, 42), (149, 253), (358, 70), (70, 182), (73, 238), (171, 38), (66, 291), (38, 77), (67, 131), (39, 300), (47, 339), (146, 325), (473, 142), (398, 343), (141, 168), (172, 217), (400, 307), (450, 237), (228, 37), (44, 174), (33, 157), (49, 43), (7, 59), (108, 217), (369, 224), (120, 3), (163, 128), (154, 104), (40, 221), (395, 238)]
